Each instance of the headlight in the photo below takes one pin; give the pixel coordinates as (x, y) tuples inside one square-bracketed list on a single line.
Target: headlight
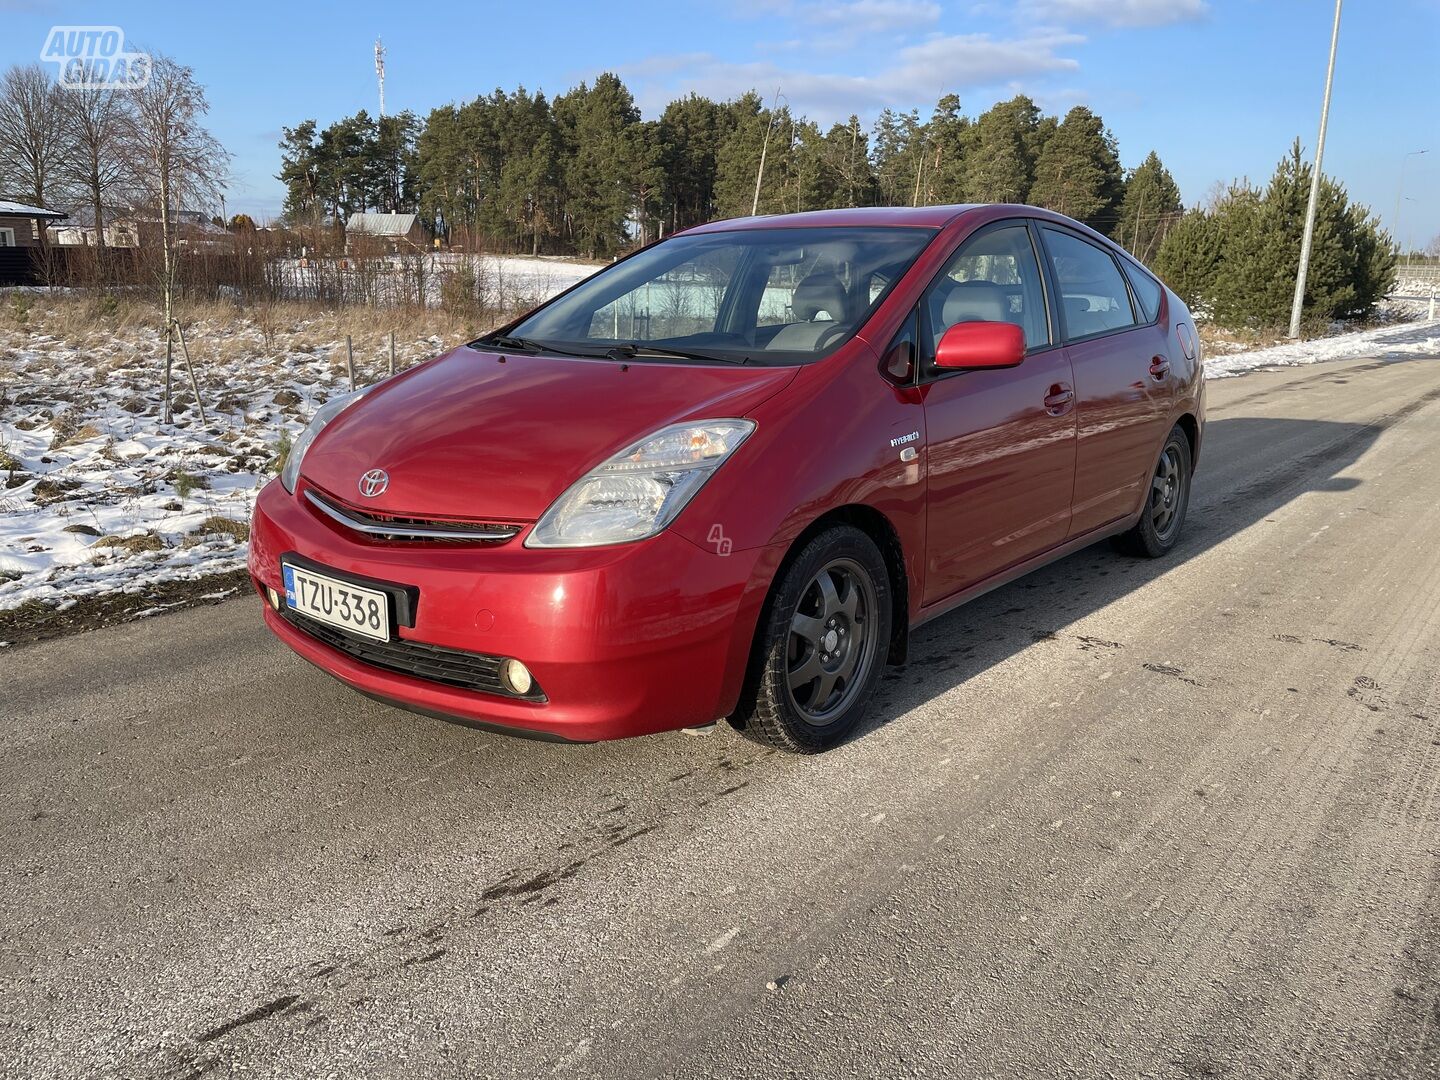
[(323, 415), (640, 490)]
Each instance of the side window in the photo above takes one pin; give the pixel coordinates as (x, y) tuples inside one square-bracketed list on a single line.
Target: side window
[(994, 277), (1092, 291), (1147, 291)]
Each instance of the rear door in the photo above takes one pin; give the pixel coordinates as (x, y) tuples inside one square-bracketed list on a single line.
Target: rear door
[(1123, 383), (1000, 443)]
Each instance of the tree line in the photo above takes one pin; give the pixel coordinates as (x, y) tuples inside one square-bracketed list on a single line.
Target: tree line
[(584, 173)]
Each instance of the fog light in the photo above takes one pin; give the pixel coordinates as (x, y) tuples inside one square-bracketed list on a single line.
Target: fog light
[(274, 597), (516, 677)]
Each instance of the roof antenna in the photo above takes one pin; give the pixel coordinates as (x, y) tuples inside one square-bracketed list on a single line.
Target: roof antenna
[(380, 73)]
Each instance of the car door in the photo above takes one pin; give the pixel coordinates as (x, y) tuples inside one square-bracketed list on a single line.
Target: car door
[(1000, 443), (1123, 385)]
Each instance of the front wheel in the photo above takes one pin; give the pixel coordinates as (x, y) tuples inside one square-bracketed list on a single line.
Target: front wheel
[(821, 646), (1158, 529)]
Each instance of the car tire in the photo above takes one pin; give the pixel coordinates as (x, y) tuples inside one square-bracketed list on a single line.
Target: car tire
[(821, 645), (1158, 529)]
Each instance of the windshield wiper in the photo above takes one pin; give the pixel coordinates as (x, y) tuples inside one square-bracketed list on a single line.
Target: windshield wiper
[(635, 348), (532, 346)]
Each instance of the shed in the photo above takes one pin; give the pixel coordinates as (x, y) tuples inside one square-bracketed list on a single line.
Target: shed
[(22, 225), (396, 230)]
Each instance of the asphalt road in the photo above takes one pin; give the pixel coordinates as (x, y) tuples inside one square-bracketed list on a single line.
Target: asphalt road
[(1173, 819)]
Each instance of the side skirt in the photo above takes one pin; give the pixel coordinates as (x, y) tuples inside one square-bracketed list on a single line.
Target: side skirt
[(1069, 547)]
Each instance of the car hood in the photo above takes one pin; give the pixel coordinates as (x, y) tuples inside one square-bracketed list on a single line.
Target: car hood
[(470, 435)]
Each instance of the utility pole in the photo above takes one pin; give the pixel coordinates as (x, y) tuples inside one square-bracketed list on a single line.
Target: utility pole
[(380, 73), (764, 147), (1305, 243), (1400, 191)]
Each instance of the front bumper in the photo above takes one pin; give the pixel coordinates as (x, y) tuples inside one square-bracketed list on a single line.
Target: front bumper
[(623, 640)]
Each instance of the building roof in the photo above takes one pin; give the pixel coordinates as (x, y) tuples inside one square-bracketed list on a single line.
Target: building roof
[(15, 209), (381, 224)]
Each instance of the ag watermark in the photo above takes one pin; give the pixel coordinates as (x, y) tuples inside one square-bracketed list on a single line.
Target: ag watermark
[(95, 58)]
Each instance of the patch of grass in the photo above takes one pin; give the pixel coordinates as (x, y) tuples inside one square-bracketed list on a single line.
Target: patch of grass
[(215, 525), (187, 484), (146, 541), (70, 429), (282, 453), (53, 489)]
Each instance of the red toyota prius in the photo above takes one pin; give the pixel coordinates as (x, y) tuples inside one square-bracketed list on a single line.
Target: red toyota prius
[(726, 477)]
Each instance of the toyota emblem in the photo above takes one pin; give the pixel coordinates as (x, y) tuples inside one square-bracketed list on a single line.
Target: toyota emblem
[(374, 483)]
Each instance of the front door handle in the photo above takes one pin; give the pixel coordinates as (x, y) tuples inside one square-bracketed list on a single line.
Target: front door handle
[(1159, 368), (1057, 402)]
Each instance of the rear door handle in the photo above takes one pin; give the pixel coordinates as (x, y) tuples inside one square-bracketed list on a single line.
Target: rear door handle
[(1159, 368), (1059, 399)]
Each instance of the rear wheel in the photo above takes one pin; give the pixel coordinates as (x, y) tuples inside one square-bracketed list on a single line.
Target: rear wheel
[(821, 646), (1158, 529)]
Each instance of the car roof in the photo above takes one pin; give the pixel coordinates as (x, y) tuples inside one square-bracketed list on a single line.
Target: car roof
[(921, 217)]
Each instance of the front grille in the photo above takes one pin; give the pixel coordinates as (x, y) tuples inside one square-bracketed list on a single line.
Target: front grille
[(452, 667), (392, 527)]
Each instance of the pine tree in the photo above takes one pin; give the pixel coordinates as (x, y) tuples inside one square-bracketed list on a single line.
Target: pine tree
[(1000, 166), (1238, 261), (1078, 170), (896, 155), (1188, 259), (593, 124), (944, 171), (691, 131), (737, 161), (847, 149), (1150, 206)]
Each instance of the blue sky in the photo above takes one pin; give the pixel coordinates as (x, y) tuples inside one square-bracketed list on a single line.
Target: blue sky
[(1218, 87)]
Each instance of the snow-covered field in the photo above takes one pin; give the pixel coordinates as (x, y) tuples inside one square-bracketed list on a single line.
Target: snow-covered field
[(97, 495)]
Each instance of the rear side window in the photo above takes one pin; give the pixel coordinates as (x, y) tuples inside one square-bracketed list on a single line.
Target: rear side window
[(1147, 291), (1092, 291)]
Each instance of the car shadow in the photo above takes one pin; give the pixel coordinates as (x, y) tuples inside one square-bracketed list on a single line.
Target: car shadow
[(1271, 461)]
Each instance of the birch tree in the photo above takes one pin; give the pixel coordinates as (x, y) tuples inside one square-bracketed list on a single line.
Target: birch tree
[(184, 168)]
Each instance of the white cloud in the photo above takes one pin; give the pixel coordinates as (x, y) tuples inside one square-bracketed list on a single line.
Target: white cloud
[(913, 75), (861, 15), (1126, 13)]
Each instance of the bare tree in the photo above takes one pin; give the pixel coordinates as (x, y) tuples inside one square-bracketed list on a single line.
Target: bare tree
[(32, 132), (101, 124), (185, 168)]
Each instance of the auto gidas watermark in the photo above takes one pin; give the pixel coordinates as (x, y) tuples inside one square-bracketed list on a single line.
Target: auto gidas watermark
[(95, 58)]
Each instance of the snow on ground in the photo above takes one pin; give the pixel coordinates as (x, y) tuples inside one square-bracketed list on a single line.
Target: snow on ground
[(1393, 341), (97, 495)]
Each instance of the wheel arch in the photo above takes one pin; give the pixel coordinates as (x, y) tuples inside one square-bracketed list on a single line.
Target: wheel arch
[(880, 529), (1191, 427)]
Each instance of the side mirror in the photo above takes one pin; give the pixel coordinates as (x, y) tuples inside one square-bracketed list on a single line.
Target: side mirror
[(980, 345)]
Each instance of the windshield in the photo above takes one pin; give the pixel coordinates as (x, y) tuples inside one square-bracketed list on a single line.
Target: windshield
[(766, 296)]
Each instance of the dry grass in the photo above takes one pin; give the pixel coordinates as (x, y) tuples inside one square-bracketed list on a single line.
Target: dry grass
[(215, 525), (283, 326), (146, 541)]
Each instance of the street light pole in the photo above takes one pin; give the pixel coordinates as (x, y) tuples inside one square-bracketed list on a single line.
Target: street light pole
[(1298, 305), (1400, 191)]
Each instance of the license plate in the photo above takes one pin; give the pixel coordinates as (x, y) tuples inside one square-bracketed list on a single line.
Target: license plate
[(338, 603)]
